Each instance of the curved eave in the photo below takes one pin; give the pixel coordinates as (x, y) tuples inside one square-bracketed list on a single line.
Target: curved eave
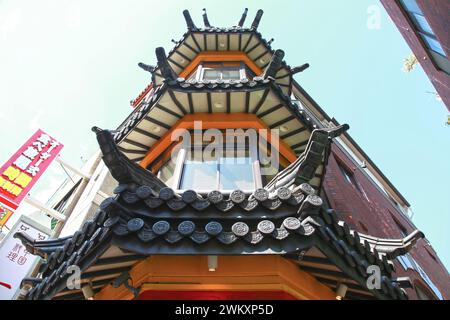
[(246, 40), (175, 99)]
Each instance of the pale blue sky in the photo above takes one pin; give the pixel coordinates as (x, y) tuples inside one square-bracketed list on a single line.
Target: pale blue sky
[(68, 65)]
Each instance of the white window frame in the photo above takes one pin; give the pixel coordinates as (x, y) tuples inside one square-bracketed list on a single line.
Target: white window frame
[(180, 161), (199, 76)]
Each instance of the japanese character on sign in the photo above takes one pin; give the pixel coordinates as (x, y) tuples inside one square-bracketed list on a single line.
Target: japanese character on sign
[(23, 180), (22, 260), (44, 139), (12, 256), (45, 155), (11, 188), (41, 236), (12, 173), (39, 146), (33, 170), (17, 248), (53, 145), (22, 162), (24, 227), (30, 153), (15, 190)]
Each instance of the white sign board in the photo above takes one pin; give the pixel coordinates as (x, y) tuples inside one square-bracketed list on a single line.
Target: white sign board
[(15, 261)]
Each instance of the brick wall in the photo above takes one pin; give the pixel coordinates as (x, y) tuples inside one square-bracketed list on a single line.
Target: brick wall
[(366, 209), (436, 13)]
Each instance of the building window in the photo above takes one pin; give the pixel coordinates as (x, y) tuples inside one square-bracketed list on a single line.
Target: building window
[(202, 167), (408, 262), (224, 71), (422, 294), (348, 175), (427, 35), (226, 173)]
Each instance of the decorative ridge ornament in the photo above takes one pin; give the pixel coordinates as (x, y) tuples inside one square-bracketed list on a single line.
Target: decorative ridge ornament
[(189, 22), (243, 17), (164, 66), (121, 168), (205, 19), (275, 64), (303, 169), (257, 19)]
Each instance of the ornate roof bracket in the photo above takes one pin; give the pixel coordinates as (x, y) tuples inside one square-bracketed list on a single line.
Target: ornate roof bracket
[(404, 282), (243, 17), (257, 19), (189, 22), (303, 169), (147, 67), (299, 69), (163, 64), (121, 168), (393, 247), (275, 64), (40, 248), (205, 19)]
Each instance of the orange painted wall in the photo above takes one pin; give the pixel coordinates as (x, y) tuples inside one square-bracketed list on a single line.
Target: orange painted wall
[(262, 273)]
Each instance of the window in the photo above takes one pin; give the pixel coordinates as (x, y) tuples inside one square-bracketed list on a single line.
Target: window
[(427, 35), (224, 71), (422, 293), (408, 262), (348, 175), (221, 73), (229, 172), (202, 166)]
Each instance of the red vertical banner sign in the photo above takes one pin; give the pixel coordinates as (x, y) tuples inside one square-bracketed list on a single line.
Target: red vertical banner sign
[(19, 174)]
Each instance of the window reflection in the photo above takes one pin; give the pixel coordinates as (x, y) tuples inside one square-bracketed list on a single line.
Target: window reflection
[(239, 163), (229, 172), (199, 175), (236, 173)]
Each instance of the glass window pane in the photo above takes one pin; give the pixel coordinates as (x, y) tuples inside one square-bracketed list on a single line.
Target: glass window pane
[(199, 175), (211, 74), (422, 23), (193, 75), (411, 6), (433, 44), (231, 74), (166, 172), (442, 62), (236, 173)]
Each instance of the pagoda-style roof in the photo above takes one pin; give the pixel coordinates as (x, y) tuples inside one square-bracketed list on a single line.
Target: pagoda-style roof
[(145, 218), (177, 97), (286, 217), (216, 39)]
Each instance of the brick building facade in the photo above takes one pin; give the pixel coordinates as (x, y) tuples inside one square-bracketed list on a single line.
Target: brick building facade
[(367, 209), (419, 20)]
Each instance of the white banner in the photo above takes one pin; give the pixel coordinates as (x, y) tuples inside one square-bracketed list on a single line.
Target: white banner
[(15, 261)]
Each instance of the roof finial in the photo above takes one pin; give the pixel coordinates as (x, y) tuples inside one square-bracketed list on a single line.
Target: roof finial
[(244, 15), (147, 67), (166, 70), (257, 19), (270, 41), (189, 21), (205, 19), (300, 68), (275, 64)]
